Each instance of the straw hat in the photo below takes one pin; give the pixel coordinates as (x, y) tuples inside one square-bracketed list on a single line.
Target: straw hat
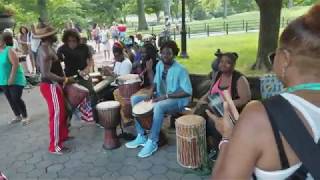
[(45, 31)]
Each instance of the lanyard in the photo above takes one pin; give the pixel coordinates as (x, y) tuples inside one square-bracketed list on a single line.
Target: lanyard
[(306, 86)]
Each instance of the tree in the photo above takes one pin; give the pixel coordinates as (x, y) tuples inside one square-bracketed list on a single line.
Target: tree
[(225, 9), (142, 22), (242, 5), (166, 7), (210, 4), (43, 11), (153, 6), (191, 4), (130, 7), (61, 11), (270, 11), (175, 8)]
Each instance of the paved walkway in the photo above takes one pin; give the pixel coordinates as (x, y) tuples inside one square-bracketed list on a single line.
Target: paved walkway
[(24, 155)]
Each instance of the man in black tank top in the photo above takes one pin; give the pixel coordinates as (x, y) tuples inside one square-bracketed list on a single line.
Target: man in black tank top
[(52, 77)]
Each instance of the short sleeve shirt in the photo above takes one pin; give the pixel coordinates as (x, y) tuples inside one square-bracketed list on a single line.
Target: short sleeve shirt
[(74, 59), (122, 68)]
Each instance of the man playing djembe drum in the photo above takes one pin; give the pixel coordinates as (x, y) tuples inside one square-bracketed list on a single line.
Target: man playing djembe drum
[(78, 60), (171, 92)]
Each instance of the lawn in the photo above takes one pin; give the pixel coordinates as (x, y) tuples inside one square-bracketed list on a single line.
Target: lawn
[(287, 14), (201, 52)]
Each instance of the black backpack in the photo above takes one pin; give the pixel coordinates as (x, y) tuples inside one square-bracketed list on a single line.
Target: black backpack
[(284, 119)]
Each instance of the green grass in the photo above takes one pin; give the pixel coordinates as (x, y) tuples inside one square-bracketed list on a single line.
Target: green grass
[(236, 19), (201, 52)]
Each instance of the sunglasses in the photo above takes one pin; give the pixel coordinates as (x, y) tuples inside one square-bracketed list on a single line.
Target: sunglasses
[(271, 57)]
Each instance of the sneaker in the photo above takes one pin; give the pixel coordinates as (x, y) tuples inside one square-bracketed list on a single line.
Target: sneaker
[(63, 151), (15, 120), (139, 141), (25, 121), (149, 148)]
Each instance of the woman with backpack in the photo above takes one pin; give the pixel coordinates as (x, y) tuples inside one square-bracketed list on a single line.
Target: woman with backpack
[(277, 138)]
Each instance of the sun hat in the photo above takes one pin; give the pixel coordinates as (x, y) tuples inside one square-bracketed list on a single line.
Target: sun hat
[(44, 31)]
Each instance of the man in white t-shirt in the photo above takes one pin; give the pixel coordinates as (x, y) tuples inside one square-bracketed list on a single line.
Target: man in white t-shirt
[(122, 66)]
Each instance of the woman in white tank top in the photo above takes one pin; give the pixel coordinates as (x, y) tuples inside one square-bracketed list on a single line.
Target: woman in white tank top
[(250, 147)]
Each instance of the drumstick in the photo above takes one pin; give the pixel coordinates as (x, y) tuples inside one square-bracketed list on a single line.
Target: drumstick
[(233, 110)]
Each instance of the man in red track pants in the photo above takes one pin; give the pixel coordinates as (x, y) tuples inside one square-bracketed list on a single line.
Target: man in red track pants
[(52, 77)]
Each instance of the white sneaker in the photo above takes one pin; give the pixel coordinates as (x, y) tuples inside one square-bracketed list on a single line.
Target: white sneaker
[(15, 120), (25, 121)]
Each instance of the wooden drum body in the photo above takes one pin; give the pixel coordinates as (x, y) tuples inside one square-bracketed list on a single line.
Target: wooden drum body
[(143, 112), (191, 141), (109, 114), (128, 85), (75, 94)]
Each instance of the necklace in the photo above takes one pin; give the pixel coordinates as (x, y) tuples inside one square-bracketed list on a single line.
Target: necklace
[(305, 86)]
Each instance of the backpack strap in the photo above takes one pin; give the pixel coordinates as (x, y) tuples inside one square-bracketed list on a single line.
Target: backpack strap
[(293, 129)]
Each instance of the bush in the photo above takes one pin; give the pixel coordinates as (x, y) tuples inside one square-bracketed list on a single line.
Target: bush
[(199, 13)]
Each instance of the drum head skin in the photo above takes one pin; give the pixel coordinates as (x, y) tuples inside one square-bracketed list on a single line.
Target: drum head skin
[(108, 105), (143, 107), (95, 74), (128, 79), (102, 85), (190, 120)]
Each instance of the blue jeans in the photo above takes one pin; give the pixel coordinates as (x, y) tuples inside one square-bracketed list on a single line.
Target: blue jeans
[(168, 106)]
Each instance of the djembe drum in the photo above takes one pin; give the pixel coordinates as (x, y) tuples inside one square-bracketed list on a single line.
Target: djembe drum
[(143, 112), (75, 94), (109, 114), (191, 141), (128, 85)]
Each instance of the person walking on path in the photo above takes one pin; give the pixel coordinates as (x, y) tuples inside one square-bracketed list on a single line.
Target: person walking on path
[(12, 79), (24, 45)]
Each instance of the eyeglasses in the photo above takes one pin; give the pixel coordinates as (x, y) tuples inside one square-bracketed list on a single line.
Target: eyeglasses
[(271, 57)]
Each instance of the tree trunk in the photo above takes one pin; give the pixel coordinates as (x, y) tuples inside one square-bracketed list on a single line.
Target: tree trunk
[(270, 11), (290, 4), (158, 16), (225, 9), (166, 7), (142, 25), (125, 19), (43, 11)]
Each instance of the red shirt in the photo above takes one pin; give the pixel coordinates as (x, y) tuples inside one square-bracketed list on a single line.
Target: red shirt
[(122, 28)]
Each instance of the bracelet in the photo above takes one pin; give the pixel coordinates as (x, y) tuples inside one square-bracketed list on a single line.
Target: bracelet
[(222, 142)]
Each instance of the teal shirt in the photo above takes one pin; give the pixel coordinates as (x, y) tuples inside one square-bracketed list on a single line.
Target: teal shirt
[(5, 70), (177, 79)]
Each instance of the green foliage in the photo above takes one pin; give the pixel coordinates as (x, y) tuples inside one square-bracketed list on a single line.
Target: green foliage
[(191, 4), (243, 5), (61, 11), (152, 6), (210, 5), (175, 8), (199, 13)]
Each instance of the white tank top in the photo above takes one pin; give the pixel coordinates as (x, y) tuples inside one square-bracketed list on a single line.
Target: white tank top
[(311, 113)]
